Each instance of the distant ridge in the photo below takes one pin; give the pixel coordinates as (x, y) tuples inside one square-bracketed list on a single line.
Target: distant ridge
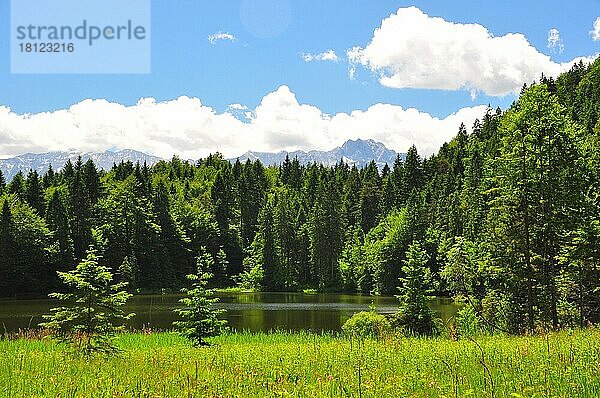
[(41, 161), (353, 152)]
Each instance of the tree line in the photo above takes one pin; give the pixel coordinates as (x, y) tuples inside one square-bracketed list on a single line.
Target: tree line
[(507, 217)]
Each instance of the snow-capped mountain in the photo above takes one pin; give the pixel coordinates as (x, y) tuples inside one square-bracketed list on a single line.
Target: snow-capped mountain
[(353, 152), (41, 161), (357, 152)]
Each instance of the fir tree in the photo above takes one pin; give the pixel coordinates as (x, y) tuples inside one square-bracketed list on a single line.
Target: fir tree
[(200, 318), (414, 315), (93, 311)]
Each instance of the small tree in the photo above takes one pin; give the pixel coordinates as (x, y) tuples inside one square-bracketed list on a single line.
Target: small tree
[(414, 315), (200, 318), (128, 271), (93, 310)]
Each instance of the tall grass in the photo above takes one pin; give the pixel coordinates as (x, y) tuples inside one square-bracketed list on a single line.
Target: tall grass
[(565, 364)]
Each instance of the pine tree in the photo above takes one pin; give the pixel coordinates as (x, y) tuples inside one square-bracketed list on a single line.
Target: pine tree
[(370, 197), (49, 178), (34, 192), (351, 198), (326, 236), (80, 209), (535, 185), (413, 172), (200, 318), (2, 183), (414, 315), (267, 250), (129, 270), (91, 179), (58, 222), (7, 253), (284, 227), (17, 186), (93, 311)]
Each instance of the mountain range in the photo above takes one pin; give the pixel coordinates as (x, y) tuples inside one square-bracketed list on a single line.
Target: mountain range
[(41, 161), (353, 152)]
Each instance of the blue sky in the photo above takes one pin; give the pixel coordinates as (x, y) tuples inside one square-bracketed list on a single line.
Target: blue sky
[(250, 67)]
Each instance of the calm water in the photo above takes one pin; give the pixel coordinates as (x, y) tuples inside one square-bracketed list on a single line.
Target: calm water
[(245, 311)]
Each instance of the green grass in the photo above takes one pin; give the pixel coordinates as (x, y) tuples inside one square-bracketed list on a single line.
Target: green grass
[(303, 365)]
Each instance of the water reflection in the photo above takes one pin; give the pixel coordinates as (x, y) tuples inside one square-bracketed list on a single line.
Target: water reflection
[(256, 311)]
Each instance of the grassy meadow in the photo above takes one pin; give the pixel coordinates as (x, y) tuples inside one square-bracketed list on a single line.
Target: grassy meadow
[(565, 364)]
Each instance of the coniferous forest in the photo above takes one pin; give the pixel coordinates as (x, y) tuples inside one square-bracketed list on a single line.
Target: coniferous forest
[(507, 217)]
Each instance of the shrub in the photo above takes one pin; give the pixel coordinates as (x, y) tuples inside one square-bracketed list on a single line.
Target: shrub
[(467, 324), (367, 324)]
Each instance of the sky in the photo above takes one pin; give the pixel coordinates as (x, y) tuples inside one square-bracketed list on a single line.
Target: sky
[(272, 75)]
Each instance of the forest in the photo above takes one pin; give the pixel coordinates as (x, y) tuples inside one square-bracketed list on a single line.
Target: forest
[(507, 217)]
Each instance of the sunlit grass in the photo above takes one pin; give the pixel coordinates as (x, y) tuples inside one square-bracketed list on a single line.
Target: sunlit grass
[(565, 364)]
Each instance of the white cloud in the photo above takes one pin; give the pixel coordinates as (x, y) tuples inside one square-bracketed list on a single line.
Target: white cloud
[(595, 32), (188, 128), (329, 55), (237, 107), (555, 42), (220, 36), (413, 50)]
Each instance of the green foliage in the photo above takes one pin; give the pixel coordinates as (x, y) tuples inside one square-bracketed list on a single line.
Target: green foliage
[(467, 323), (200, 318), (414, 315), (367, 324), (93, 307), (507, 215)]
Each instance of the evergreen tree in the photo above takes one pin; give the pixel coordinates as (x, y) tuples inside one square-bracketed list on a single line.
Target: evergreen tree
[(91, 179), (34, 192), (17, 186), (93, 310), (7, 263), (326, 236), (414, 315), (413, 172), (200, 318), (2, 183), (58, 222)]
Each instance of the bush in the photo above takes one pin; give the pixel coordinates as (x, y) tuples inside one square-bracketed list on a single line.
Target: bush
[(367, 324), (467, 324)]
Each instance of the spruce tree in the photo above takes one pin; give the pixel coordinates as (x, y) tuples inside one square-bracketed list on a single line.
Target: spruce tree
[(2, 182), (93, 309), (34, 192), (414, 315), (200, 318), (7, 253), (17, 186)]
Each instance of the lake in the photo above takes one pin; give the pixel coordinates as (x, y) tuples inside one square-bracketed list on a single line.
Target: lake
[(254, 311)]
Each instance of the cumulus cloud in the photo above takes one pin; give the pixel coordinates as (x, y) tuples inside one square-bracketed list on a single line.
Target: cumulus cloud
[(595, 32), (555, 42), (190, 129), (414, 50), (329, 55), (221, 36)]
